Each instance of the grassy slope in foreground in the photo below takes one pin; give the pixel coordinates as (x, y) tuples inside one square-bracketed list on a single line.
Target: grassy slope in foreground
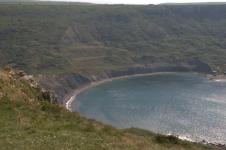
[(29, 122)]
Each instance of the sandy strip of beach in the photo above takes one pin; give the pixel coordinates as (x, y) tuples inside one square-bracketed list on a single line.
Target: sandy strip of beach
[(96, 83)]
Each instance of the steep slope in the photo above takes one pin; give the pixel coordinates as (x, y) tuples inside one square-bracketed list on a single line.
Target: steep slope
[(28, 121), (74, 43)]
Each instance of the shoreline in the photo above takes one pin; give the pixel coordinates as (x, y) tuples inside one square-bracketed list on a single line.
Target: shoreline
[(83, 88), (96, 83), (217, 78)]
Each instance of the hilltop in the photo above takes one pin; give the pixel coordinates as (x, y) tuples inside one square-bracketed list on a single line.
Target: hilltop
[(66, 46), (29, 121)]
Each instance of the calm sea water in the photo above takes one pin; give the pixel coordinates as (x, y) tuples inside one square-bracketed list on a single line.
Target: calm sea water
[(182, 104)]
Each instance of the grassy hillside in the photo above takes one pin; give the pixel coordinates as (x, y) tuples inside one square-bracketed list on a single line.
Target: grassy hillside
[(62, 41), (96, 38), (28, 121)]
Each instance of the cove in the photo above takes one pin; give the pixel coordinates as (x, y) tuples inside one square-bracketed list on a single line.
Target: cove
[(184, 104)]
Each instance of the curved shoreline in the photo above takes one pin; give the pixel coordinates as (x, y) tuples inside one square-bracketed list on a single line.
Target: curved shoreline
[(96, 83)]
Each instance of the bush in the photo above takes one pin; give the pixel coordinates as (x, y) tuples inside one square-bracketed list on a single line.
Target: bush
[(162, 139)]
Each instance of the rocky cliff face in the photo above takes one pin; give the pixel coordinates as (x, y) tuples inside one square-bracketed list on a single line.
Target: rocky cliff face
[(198, 66), (66, 84), (17, 85)]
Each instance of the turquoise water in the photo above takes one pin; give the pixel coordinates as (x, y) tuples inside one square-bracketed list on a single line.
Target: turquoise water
[(182, 104)]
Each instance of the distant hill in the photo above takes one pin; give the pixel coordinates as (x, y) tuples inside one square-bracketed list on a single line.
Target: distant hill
[(10, 1), (69, 45), (197, 3), (42, 2)]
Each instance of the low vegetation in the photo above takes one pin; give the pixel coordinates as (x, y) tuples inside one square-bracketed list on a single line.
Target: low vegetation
[(46, 38)]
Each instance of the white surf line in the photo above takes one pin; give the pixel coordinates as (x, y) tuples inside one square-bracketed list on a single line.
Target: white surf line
[(81, 89), (96, 83), (185, 138), (220, 80), (68, 104)]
